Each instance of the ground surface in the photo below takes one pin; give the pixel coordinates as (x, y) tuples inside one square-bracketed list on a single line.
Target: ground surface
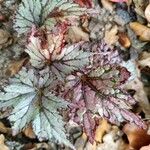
[(125, 26)]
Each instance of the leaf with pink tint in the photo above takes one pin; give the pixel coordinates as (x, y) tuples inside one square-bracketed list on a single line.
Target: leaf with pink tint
[(49, 49), (97, 92)]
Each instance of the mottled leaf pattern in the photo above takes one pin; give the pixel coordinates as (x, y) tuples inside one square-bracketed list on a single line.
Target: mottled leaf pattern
[(99, 93), (104, 54), (61, 60)]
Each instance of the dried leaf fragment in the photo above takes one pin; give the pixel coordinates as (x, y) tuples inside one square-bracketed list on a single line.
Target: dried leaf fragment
[(2, 144), (5, 39), (144, 59), (111, 141), (147, 13), (29, 132), (124, 40), (15, 67), (90, 146), (140, 95), (107, 5), (3, 128), (137, 137), (101, 129), (111, 36), (76, 34), (140, 30), (139, 6), (42, 146)]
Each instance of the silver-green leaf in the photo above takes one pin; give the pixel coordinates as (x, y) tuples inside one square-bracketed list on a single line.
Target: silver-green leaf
[(44, 12), (30, 95), (70, 58)]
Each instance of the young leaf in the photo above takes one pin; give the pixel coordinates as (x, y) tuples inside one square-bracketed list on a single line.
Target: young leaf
[(45, 12), (31, 97), (61, 60)]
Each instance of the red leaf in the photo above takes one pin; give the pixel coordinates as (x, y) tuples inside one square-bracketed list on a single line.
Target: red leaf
[(137, 137)]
